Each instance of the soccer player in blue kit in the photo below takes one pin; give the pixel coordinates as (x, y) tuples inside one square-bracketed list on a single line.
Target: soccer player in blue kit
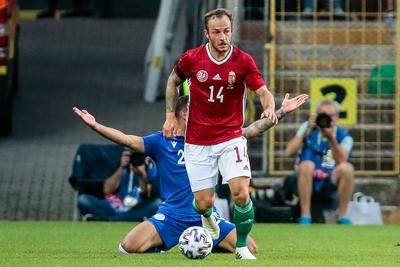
[(176, 213)]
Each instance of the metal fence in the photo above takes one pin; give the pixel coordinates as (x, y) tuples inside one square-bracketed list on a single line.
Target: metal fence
[(348, 55)]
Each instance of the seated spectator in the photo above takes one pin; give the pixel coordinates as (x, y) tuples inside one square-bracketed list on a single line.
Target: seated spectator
[(128, 195), (323, 150)]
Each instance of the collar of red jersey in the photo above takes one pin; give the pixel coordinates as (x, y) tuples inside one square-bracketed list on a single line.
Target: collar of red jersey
[(216, 61)]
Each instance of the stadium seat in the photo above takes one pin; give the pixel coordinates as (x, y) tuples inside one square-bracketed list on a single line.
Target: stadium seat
[(93, 163), (382, 80)]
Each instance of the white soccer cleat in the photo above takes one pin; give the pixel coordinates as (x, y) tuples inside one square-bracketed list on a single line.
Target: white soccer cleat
[(244, 253), (211, 225)]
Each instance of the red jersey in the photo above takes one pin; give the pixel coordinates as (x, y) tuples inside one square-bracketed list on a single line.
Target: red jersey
[(217, 93)]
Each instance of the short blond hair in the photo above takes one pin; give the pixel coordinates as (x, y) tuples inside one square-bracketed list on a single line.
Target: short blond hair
[(217, 13)]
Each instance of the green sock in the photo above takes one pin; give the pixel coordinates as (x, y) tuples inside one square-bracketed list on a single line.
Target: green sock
[(205, 214), (243, 218)]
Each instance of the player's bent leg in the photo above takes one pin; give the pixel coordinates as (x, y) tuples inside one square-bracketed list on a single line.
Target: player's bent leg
[(141, 238), (203, 204), (204, 200), (245, 253), (229, 243), (239, 187), (243, 215), (252, 245), (202, 174)]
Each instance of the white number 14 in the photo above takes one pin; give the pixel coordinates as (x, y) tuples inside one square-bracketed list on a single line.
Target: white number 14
[(219, 96)]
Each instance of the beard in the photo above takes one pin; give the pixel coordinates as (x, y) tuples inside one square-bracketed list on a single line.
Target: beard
[(221, 47)]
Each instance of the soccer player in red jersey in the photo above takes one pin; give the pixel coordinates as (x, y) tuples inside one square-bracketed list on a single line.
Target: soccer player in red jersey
[(218, 76)]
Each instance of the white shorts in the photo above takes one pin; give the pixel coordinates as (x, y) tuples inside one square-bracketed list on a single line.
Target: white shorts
[(203, 162)]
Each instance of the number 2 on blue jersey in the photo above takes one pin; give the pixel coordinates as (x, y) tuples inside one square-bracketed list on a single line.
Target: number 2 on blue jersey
[(181, 159)]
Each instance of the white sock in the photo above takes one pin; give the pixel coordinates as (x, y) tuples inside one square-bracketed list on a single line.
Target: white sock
[(121, 249)]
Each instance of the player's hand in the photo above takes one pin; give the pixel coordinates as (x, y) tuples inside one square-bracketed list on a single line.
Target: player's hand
[(291, 104), (85, 116), (269, 113), (170, 125)]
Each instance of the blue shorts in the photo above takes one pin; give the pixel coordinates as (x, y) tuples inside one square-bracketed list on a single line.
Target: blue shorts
[(170, 228)]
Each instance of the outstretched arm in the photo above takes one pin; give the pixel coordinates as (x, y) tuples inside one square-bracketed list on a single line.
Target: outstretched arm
[(262, 125), (132, 141)]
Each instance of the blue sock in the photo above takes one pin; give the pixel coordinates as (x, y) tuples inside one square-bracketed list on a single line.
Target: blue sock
[(344, 220), (305, 220)]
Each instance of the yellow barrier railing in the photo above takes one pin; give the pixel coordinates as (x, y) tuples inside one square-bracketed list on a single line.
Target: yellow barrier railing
[(305, 54)]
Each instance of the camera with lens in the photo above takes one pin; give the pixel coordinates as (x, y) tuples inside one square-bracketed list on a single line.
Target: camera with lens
[(136, 159), (323, 120)]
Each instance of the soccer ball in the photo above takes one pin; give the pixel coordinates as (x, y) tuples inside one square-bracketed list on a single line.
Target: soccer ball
[(195, 243)]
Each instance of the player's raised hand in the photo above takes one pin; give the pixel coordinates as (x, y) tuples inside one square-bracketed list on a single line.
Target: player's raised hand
[(85, 116), (170, 125), (270, 114), (291, 104)]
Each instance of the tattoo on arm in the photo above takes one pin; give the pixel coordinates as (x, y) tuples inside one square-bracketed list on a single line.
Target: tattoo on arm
[(171, 92), (261, 125), (280, 113)]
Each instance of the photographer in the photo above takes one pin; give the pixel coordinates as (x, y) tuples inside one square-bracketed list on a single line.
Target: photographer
[(131, 193), (323, 150)]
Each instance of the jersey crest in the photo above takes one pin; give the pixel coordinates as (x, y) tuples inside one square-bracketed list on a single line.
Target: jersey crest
[(231, 80), (202, 76)]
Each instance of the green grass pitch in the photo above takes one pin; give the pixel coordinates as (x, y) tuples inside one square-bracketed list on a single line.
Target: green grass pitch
[(95, 244)]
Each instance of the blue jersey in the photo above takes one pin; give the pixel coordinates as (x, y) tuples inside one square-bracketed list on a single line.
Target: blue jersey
[(172, 176)]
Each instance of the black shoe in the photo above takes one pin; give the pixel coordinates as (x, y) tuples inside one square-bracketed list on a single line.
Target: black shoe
[(47, 13)]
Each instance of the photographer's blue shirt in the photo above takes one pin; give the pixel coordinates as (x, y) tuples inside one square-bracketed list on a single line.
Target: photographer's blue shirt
[(129, 184), (172, 176), (316, 148)]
